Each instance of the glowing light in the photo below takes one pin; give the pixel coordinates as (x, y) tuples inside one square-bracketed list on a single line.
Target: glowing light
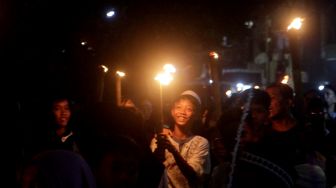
[(295, 24), (239, 86), (245, 87), (285, 79), (83, 43), (228, 93), (104, 67), (110, 13), (249, 24), (256, 87), (120, 73), (210, 81), (321, 87), (242, 87), (169, 68), (214, 55), (164, 78)]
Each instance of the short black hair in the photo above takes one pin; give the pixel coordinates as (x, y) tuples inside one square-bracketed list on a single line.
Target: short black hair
[(285, 90), (258, 97)]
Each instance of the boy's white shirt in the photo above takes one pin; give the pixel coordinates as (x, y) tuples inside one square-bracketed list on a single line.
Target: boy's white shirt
[(195, 152)]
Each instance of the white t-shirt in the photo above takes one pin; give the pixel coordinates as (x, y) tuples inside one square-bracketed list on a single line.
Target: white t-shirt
[(194, 150)]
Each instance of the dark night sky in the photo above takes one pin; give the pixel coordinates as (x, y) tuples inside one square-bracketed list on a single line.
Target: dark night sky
[(41, 39)]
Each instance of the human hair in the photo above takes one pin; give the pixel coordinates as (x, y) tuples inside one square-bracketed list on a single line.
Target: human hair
[(331, 87), (285, 90), (258, 97)]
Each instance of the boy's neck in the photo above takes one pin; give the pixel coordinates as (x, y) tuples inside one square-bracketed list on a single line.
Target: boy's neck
[(181, 133)]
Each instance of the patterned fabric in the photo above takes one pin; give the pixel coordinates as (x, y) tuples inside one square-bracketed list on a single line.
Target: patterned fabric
[(195, 151)]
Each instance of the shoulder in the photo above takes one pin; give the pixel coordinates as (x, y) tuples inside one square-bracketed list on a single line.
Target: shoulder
[(199, 140)]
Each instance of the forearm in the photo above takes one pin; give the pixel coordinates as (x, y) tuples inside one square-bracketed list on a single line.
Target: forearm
[(185, 168)]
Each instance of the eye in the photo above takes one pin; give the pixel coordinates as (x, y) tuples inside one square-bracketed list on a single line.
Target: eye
[(57, 108), (189, 109)]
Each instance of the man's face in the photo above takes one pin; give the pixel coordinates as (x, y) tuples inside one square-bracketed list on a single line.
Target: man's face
[(182, 112), (279, 105), (62, 113), (329, 96)]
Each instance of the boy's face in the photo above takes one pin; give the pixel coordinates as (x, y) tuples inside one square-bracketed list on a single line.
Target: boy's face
[(182, 112), (62, 113)]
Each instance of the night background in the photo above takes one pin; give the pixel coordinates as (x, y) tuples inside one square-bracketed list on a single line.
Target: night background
[(59, 45), (50, 47)]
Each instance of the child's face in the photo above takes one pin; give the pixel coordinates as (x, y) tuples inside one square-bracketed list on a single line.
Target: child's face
[(182, 112), (62, 113)]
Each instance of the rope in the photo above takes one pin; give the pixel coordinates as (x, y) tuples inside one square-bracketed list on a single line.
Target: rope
[(238, 136)]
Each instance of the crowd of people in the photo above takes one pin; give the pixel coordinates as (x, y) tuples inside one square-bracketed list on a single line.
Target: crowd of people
[(262, 139)]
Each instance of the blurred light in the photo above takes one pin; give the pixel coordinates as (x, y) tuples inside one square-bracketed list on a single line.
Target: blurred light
[(120, 73), (110, 13), (249, 24), (210, 81), (169, 68), (239, 86), (228, 93), (104, 67), (214, 55), (245, 87), (256, 87), (164, 78), (295, 24), (285, 79), (83, 43), (321, 87), (269, 39)]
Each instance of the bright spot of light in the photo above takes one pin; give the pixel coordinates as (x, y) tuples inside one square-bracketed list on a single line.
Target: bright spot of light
[(214, 55), (110, 13), (120, 73), (83, 43), (245, 87), (239, 86), (321, 87), (169, 68), (249, 24), (104, 68), (164, 78), (285, 79), (210, 81), (228, 93), (256, 87), (296, 24)]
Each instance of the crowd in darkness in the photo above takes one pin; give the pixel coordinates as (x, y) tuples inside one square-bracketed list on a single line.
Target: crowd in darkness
[(263, 138)]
